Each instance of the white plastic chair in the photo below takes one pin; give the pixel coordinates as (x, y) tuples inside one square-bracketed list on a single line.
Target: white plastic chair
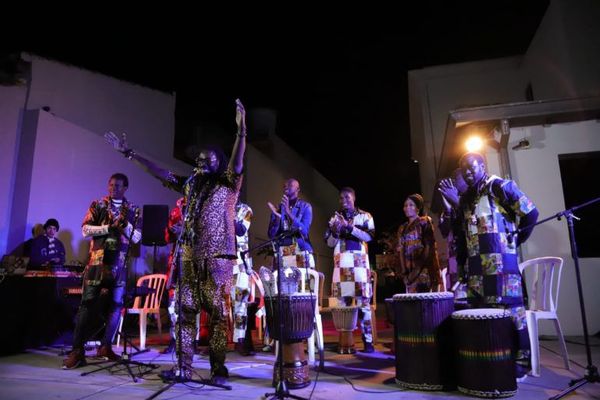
[(543, 302), (151, 304), (305, 287)]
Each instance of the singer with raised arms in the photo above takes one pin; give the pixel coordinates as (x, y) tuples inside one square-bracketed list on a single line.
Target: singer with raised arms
[(487, 214), (208, 252)]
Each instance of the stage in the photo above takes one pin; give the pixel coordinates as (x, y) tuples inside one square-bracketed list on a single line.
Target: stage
[(37, 374)]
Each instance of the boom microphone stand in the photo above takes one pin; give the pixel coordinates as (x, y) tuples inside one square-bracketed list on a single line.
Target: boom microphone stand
[(281, 390), (591, 371)]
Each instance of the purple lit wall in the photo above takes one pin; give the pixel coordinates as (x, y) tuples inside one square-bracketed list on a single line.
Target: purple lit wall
[(56, 162)]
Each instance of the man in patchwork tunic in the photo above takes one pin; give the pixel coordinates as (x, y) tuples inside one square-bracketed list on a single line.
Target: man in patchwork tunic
[(241, 294), (349, 231), (110, 222), (488, 212)]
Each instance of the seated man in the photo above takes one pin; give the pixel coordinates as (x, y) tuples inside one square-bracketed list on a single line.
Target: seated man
[(46, 249)]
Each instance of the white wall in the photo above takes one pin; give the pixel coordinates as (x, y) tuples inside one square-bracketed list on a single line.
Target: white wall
[(62, 160), (435, 91), (536, 170), (563, 58), (99, 103), (265, 177), (562, 61), (12, 99), (71, 167)]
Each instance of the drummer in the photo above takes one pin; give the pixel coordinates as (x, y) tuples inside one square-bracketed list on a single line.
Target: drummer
[(488, 214), (350, 228)]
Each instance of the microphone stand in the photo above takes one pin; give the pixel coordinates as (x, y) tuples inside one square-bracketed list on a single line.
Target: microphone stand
[(281, 390), (179, 376), (591, 371), (126, 357)]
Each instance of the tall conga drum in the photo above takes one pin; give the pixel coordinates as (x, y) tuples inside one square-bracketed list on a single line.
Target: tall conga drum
[(298, 324), (422, 337), (485, 363), (344, 320)]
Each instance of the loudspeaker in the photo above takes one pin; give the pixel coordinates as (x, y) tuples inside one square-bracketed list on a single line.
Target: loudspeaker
[(156, 217)]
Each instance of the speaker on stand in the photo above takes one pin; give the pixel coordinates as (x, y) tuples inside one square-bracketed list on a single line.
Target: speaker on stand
[(156, 217)]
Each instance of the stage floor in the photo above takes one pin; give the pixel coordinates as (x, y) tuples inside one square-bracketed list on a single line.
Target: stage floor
[(37, 374)]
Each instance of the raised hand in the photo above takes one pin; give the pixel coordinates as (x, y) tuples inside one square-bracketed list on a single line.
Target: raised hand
[(337, 223), (240, 117), (274, 209), (449, 193), (119, 144)]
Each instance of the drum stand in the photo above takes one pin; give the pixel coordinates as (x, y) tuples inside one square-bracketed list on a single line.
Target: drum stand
[(591, 371), (281, 390)]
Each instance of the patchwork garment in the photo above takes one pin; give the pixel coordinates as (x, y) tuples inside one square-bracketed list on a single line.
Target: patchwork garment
[(293, 256), (172, 272), (351, 280), (419, 264), (106, 267), (492, 267), (109, 246), (242, 289)]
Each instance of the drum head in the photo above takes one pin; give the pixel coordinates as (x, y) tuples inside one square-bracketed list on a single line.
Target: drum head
[(481, 313)]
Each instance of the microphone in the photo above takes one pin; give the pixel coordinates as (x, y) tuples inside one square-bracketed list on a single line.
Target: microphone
[(509, 235), (284, 220), (194, 174), (289, 233)]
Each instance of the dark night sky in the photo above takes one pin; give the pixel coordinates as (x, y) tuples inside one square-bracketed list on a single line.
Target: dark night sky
[(340, 89)]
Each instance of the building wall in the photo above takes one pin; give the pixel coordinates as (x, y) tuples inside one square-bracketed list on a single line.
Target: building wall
[(563, 58), (435, 91), (266, 173), (99, 103), (12, 99), (61, 159), (536, 170), (562, 61), (71, 167)]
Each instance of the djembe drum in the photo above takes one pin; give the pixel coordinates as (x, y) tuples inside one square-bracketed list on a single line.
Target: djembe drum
[(422, 337), (485, 364), (298, 324), (344, 320)]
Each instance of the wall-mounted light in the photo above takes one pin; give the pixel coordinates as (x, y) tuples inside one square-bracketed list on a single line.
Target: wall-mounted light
[(523, 144), (474, 144)]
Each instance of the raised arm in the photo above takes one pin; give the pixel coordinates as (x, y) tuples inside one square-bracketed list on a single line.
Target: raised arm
[(165, 176), (236, 162)]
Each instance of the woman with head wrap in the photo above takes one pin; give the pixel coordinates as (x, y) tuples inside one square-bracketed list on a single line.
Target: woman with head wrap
[(416, 247)]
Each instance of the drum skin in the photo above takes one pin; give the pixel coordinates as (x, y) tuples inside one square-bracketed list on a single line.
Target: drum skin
[(344, 320)]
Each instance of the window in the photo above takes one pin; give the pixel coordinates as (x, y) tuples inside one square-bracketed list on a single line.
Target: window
[(581, 184)]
